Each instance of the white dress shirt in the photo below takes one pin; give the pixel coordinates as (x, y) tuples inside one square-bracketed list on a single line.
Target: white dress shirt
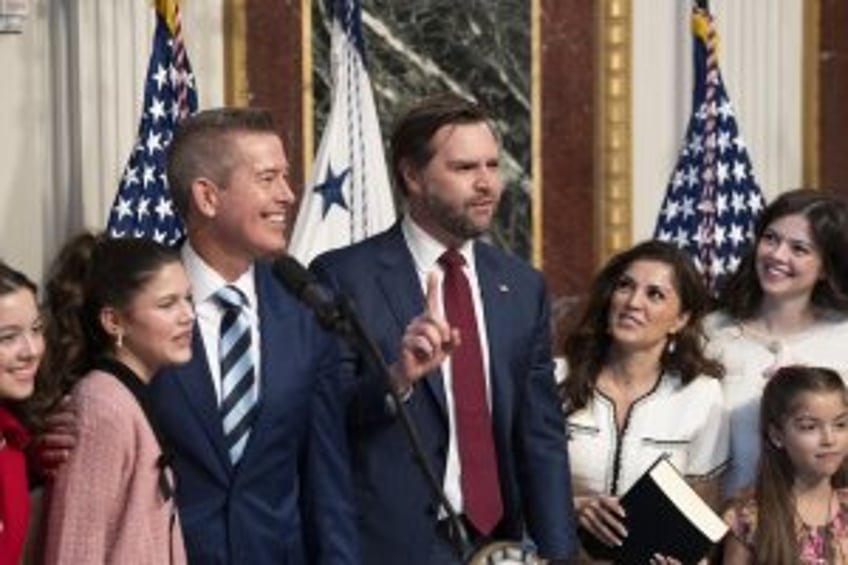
[(205, 282), (425, 253)]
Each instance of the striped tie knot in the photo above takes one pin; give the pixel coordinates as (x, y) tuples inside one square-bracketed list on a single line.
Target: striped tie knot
[(231, 298)]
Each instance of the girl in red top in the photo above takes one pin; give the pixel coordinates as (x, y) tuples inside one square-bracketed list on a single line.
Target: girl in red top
[(21, 350)]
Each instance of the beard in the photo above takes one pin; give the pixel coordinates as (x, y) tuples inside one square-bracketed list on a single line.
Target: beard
[(454, 222)]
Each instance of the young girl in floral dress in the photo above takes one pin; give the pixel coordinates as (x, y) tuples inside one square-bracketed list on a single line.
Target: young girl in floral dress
[(798, 512)]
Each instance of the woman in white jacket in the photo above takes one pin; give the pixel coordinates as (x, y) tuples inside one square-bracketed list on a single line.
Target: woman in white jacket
[(639, 386), (786, 304)]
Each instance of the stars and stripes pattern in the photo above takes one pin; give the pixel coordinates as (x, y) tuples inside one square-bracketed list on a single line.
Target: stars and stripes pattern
[(348, 197), (712, 201), (143, 205)]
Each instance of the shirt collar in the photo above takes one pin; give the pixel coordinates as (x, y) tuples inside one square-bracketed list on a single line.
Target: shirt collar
[(205, 281), (426, 249)]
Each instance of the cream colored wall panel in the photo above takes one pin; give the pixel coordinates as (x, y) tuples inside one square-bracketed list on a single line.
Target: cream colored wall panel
[(24, 143), (203, 24), (659, 109), (761, 56)]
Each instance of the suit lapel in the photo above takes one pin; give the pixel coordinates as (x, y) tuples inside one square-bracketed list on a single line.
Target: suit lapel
[(398, 280), (496, 294), (196, 382), (277, 332)]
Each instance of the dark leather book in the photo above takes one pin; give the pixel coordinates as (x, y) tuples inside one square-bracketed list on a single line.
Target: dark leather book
[(665, 516)]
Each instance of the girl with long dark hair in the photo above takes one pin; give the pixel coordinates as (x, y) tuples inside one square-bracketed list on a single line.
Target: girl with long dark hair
[(120, 310), (799, 510)]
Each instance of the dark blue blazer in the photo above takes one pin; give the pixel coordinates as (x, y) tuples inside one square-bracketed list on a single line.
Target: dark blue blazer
[(397, 514), (289, 500)]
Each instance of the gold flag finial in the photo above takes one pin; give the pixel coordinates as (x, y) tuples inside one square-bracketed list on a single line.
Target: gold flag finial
[(701, 25), (168, 10)]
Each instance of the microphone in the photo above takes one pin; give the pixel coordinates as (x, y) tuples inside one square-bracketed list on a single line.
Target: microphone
[(305, 287)]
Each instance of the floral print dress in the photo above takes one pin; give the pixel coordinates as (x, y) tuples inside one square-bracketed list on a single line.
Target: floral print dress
[(812, 540)]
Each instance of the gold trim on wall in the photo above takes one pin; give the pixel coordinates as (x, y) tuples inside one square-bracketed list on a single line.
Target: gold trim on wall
[(536, 219), (236, 83), (811, 167), (613, 157)]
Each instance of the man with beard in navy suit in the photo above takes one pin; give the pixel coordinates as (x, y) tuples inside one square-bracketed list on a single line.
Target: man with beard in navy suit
[(488, 416)]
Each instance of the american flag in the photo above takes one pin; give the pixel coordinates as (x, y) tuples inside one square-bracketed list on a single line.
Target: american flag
[(143, 206), (712, 201), (349, 196)]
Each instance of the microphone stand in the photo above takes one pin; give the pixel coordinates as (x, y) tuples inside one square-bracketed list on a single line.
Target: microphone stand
[(344, 322)]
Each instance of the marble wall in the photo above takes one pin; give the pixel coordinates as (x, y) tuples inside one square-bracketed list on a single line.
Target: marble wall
[(476, 48)]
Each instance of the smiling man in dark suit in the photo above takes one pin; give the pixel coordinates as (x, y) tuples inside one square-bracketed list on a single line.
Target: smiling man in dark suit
[(255, 421), (488, 416)]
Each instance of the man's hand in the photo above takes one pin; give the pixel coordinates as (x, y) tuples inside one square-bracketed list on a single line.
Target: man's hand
[(427, 341)]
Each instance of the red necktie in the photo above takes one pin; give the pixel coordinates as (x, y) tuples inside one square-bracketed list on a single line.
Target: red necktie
[(478, 464)]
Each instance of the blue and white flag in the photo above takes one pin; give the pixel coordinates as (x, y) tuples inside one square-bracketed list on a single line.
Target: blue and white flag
[(348, 196), (712, 201), (143, 205)]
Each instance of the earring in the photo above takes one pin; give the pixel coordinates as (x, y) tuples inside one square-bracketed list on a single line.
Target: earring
[(119, 340), (671, 346)]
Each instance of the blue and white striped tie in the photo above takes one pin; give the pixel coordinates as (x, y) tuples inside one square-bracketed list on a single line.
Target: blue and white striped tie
[(238, 377)]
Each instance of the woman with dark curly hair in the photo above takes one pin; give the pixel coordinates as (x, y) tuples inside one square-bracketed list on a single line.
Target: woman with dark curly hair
[(786, 304), (639, 386)]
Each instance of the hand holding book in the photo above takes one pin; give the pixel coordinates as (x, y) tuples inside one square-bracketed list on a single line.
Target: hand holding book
[(603, 517), (663, 520)]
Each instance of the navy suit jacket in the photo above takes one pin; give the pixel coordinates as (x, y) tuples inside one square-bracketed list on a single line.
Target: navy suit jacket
[(289, 499), (397, 510)]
